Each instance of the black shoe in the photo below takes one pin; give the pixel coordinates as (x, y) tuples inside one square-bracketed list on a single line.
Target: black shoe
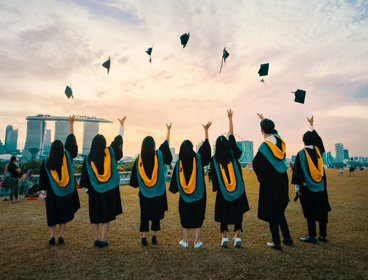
[(61, 240), (322, 239), (154, 240), (288, 241), (144, 241), (274, 246), (308, 239), (97, 243), (104, 243), (52, 241)]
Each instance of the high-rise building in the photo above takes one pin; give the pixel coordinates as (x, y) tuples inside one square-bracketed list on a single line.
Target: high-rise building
[(47, 142), (329, 157), (35, 137), (346, 154), (2, 148), (61, 130), (89, 132), (339, 149), (247, 151), (12, 141), (8, 129)]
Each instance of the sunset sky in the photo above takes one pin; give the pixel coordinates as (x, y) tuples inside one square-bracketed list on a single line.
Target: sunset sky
[(318, 46)]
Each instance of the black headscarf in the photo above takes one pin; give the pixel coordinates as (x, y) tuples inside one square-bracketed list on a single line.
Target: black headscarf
[(97, 153), (268, 126), (223, 153), (55, 159), (308, 138)]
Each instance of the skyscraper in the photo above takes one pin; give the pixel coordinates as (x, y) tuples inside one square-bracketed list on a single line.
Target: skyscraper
[(90, 131), (61, 130), (12, 141), (339, 148), (247, 149), (35, 136), (8, 129), (47, 142), (346, 154), (329, 157)]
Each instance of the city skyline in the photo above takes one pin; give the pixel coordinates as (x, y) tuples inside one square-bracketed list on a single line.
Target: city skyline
[(315, 46)]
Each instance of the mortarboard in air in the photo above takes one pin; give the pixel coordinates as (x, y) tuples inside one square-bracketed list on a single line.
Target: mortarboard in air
[(106, 64), (225, 55), (149, 51), (184, 39), (299, 96), (68, 92), (263, 69)]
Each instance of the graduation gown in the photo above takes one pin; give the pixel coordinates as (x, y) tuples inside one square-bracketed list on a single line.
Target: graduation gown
[(315, 205), (103, 207), (229, 212), (192, 214), (152, 209), (59, 210), (273, 190)]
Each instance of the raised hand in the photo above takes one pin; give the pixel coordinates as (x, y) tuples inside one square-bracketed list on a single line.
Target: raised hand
[(230, 113), (311, 120), (260, 116), (168, 126), (207, 126), (122, 121), (72, 119), (71, 124)]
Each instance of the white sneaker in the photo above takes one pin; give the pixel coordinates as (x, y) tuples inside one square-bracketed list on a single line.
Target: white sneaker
[(237, 242), (225, 242), (183, 244), (198, 245)]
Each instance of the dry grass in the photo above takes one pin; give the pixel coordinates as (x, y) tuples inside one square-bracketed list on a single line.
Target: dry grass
[(25, 253)]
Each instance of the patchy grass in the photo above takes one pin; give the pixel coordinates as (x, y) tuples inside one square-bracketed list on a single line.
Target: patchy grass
[(25, 253)]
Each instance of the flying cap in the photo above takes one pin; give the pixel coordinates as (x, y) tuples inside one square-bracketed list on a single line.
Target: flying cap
[(68, 92), (225, 55), (299, 96), (106, 64), (149, 51), (263, 70), (184, 39)]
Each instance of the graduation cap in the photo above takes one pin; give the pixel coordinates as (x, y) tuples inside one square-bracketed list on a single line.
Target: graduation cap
[(68, 92), (184, 39), (225, 55), (106, 64), (299, 95), (149, 51), (263, 70)]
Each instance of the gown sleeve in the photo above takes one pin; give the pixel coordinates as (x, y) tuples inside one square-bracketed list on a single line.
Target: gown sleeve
[(166, 153), (84, 182), (44, 180), (133, 176), (298, 177), (173, 184), (117, 146), (71, 145), (258, 166), (213, 177), (318, 142), (236, 151), (205, 152)]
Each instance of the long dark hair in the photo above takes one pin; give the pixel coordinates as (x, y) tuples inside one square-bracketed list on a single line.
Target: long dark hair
[(148, 147), (97, 152), (71, 145), (55, 159), (186, 152), (223, 153)]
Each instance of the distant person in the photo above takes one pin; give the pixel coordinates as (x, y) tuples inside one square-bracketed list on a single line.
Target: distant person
[(341, 171), (291, 166), (101, 178), (14, 172), (169, 174), (309, 178), (272, 175), (351, 168), (148, 174), (5, 183), (188, 180), (57, 178), (250, 167), (227, 181), (25, 181)]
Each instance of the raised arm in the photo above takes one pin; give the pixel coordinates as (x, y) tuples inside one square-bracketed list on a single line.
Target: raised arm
[(231, 126), (117, 144), (205, 149), (71, 142), (71, 124), (317, 140), (168, 126)]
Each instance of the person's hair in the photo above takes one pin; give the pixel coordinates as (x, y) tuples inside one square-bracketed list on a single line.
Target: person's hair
[(268, 126), (97, 152), (30, 171), (223, 153), (308, 138), (148, 147), (71, 145), (55, 159), (13, 158), (186, 150)]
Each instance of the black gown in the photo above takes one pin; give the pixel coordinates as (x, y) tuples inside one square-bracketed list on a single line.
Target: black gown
[(315, 205), (192, 214), (229, 212), (60, 210), (103, 207), (274, 189), (152, 209)]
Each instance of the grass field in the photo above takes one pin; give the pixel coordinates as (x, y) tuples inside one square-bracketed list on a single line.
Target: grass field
[(25, 253)]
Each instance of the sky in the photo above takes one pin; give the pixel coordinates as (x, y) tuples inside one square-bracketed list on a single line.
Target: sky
[(317, 46)]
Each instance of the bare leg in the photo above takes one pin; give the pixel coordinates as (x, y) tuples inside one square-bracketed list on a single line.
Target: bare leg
[(96, 231), (237, 234), (105, 229), (185, 234), (52, 231), (154, 233), (224, 234), (197, 235), (62, 229), (144, 234)]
